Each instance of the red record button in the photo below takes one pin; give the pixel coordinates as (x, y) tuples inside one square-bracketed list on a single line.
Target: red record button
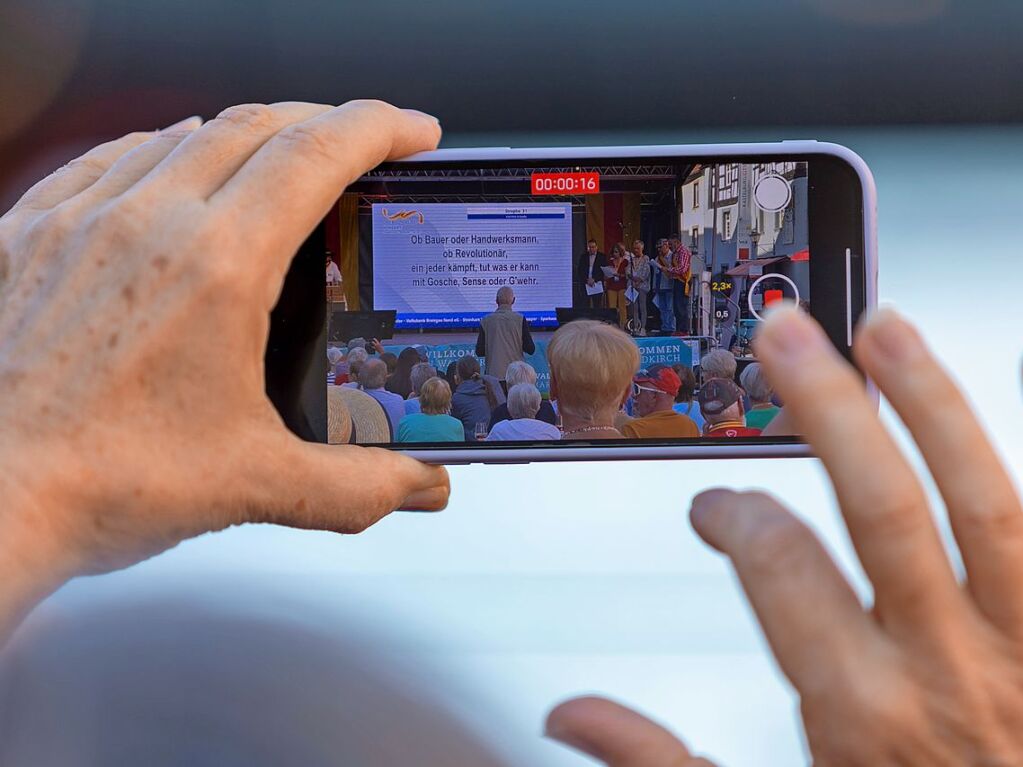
[(566, 183)]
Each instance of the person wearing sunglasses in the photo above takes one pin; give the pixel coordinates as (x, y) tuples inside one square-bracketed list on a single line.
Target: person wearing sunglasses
[(653, 397)]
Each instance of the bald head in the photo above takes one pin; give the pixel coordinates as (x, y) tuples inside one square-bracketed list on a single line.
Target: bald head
[(505, 296)]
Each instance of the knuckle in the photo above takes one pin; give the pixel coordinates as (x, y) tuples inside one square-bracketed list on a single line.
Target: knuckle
[(85, 165), (307, 141), (255, 118), (373, 107), (896, 514)]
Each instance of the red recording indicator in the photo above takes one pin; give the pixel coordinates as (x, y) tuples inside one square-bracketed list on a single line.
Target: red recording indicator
[(566, 183)]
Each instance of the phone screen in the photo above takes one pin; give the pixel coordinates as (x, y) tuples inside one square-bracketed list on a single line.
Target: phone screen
[(602, 302)]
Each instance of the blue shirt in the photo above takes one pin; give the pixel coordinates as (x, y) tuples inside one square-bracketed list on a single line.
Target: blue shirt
[(422, 427), (693, 411)]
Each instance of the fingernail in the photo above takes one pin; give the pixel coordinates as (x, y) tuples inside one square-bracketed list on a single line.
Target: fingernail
[(189, 123), (790, 332), (893, 336), (427, 115)]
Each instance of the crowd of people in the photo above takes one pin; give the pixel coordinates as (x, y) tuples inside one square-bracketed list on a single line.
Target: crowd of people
[(628, 280), (598, 390)]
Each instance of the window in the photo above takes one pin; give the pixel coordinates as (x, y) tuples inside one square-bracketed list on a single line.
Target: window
[(696, 194), (726, 225), (695, 237)]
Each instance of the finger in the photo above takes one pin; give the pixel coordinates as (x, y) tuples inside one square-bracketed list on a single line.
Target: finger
[(288, 186), (881, 499), (616, 735), (982, 503), (784, 569), (79, 174), (215, 151), (137, 163), (342, 489)]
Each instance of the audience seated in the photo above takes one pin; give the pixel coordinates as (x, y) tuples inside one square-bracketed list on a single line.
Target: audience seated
[(591, 366), (474, 398), (400, 382), (420, 374), (356, 357), (762, 410), (717, 363), (721, 405), (432, 423), (685, 400), (653, 394), (372, 377), (523, 405), (517, 373)]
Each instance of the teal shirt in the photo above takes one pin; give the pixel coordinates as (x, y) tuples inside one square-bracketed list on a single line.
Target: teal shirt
[(758, 418), (420, 427)]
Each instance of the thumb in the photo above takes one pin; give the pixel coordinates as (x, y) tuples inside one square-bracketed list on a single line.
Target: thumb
[(617, 735), (341, 488)]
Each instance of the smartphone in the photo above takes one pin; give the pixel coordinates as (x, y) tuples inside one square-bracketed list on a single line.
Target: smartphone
[(579, 303)]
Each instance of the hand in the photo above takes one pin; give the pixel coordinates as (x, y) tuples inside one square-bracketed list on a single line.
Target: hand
[(932, 672), (135, 290), (590, 282), (377, 346)]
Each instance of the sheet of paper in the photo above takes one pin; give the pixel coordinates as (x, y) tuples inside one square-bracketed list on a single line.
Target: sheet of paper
[(631, 294), (595, 289), (608, 271)]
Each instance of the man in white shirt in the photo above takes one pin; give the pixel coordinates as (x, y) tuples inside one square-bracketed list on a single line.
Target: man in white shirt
[(333, 273)]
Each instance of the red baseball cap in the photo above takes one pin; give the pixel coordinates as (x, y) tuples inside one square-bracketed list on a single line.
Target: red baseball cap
[(661, 377)]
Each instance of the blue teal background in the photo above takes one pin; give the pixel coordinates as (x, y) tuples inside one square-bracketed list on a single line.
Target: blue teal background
[(545, 581)]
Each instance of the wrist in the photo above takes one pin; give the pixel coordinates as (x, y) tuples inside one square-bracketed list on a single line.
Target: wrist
[(32, 563)]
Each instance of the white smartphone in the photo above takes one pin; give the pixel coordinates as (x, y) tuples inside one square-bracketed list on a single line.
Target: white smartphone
[(577, 303)]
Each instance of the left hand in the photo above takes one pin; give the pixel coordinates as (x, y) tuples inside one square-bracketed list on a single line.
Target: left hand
[(932, 672), (136, 285)]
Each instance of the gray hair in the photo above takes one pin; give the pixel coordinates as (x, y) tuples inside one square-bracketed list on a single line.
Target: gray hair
[(373, 373), (356, 343), (519, 372), (718, 363), (505, 295), (421, 373), (357, 356), (524, 401), (334, 355), (755, 382)]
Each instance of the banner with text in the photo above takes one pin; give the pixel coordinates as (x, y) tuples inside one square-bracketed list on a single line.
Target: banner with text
[(441, 264)]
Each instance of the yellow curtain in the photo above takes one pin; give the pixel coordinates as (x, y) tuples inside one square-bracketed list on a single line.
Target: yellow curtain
[(348, 212), (630, 218)]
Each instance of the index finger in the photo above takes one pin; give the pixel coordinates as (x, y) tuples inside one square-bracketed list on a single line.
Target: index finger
[(289, 184), (881, 498)]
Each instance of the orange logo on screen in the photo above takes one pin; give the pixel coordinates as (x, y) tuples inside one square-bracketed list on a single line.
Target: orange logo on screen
[(402, 215)]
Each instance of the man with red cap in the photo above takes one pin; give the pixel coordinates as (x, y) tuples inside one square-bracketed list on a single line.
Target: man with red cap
[(721, 406), (653, 397)]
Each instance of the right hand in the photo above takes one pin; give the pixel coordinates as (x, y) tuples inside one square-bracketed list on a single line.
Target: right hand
[(590, 283), (136, 285), (932, 672)]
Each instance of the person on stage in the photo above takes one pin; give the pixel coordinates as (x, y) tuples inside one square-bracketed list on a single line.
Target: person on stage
[(589, 273), (504, 336), (333, 273), (614, 286), (641, 284), (681, 271), (662, 285)]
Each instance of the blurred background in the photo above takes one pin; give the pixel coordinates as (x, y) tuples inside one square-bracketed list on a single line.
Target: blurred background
[(541, 582)]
